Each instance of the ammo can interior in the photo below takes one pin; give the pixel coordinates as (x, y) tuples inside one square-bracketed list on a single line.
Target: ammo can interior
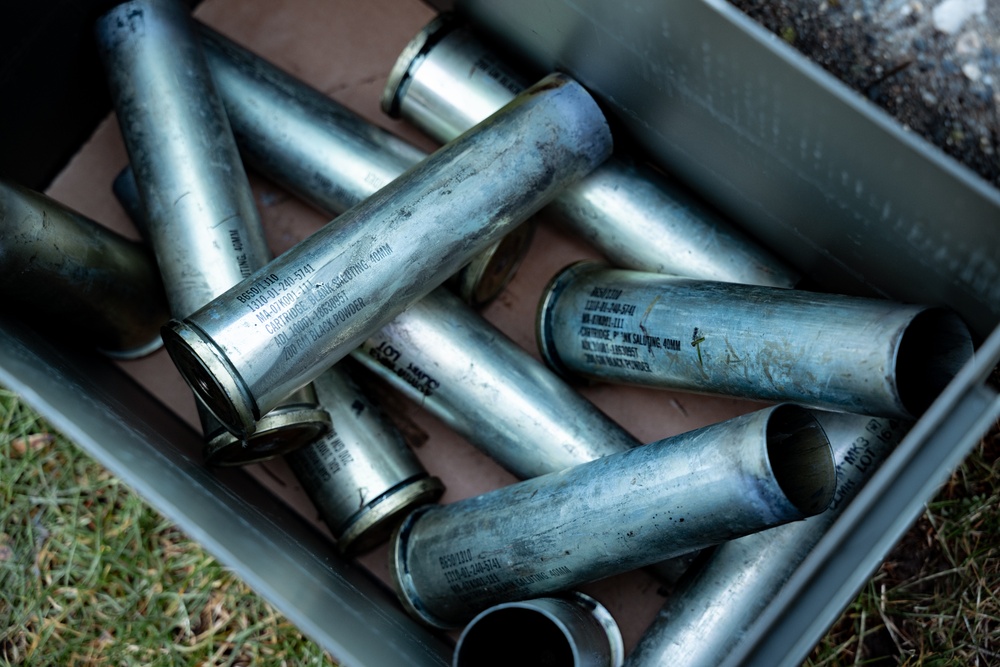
[(807, 166)]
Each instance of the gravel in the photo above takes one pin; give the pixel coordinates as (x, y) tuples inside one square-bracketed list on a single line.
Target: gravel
[(933, 65)]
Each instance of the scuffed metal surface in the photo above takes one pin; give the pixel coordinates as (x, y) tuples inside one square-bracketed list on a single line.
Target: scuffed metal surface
[(614, 514)]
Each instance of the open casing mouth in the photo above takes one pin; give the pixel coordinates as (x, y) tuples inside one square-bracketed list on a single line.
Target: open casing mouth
[(931, 351), (570, 630), (801, 459), (211, 377)]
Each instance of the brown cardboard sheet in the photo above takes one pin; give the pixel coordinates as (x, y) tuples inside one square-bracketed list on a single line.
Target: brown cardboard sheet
[(346, 49)]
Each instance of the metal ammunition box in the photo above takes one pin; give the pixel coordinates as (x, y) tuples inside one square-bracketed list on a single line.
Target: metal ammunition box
[(795, 159)]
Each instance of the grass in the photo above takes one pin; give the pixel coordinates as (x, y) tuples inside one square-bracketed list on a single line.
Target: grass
[(90, 575), (936, 598)]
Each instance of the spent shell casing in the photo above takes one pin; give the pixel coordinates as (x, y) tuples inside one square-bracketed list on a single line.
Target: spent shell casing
[(438, 351), (361, 475), (70, 273), (612, 515), (199, 211), (197, 208), (828, 351), (283, 326), (446, 80)]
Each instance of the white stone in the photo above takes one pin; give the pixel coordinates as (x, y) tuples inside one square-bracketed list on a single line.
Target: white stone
[(969, 43), (972, 71), (950, 15)]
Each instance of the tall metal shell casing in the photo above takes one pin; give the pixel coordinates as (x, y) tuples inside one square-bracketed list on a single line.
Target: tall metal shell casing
[(67, 272), (282, 326), (196, 205), (446, 80), (711, 610), (852, 354), (612, 515)]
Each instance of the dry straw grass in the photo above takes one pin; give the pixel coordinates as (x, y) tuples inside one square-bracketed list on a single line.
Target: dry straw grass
[(936, 598)]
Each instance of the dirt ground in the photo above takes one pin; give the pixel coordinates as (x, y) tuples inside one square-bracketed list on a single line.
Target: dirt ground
[(934, 65)]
